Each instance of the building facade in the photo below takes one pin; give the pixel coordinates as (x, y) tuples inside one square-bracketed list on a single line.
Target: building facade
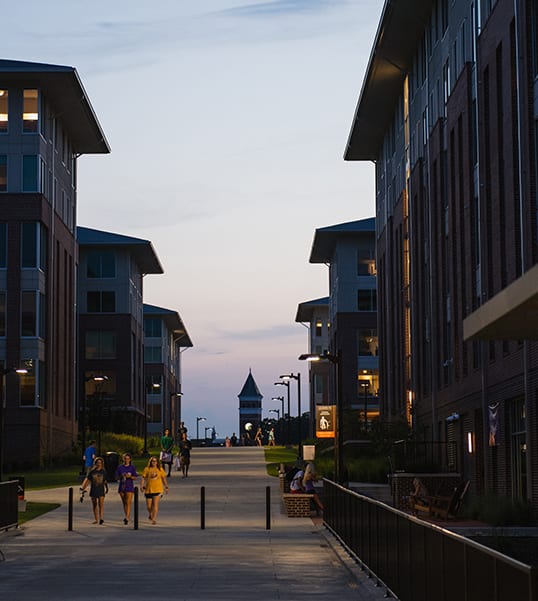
[(315, 314), (46, 123), (165, 337), (111, 329), (349, 251), (449, 115)]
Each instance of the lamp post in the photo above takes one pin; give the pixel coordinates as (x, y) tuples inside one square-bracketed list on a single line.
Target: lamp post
[(297, 377), (99, 393), (338, 443), (280, 426), (198, 420), (366, 385), (287, 385), (3, 372), (205, 431)]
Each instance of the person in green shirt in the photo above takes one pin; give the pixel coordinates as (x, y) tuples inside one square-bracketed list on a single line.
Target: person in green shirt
[(167, 443)]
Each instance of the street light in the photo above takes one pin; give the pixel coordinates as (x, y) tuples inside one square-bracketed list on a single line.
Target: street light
[(97, 380), (178, 412), (99, 393), (198, 420), (281, 399), (3, 372), (366, 385), (338, 443), (287, 385), (297, 377)]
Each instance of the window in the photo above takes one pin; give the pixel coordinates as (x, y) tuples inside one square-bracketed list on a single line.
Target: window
[(368, 344), (29, 173), (152, 354), (100, 344), (3, 173), (28, 313), (154, 412), (2, 313), (101, 301), (34, 241), (366, 261), (101, 264), (30, 111), (4, 111), (3, 245), (367, 300), (152, 328)]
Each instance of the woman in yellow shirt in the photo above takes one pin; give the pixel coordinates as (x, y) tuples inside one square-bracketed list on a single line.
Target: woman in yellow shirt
[(154, 484)]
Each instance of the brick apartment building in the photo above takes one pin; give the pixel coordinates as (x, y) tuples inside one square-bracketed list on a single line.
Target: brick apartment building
[(46, 123), (448, 113)]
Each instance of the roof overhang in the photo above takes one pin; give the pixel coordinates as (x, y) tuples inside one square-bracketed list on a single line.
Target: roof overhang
[(400, 30), (512, 314), (67, 97)]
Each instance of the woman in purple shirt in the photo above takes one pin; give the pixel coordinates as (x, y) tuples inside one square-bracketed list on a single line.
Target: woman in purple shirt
[(126, 474)]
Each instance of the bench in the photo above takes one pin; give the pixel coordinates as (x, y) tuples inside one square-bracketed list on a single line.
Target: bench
[(445, 503), (297, 505)]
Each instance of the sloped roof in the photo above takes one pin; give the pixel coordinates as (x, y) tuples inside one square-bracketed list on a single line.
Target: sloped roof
[(64, 91), (305, 310), (250, 388), (399, 33), (173, 322), (141, 249), (325, 237)]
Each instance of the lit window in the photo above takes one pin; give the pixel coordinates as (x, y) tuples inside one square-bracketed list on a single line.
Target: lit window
[(30, 111), (319, 328), (3, 111)]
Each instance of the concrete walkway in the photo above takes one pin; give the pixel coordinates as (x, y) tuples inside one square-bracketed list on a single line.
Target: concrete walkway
[(235, 557)]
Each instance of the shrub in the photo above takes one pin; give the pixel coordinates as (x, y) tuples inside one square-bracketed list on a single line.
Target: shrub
[(499, 511)]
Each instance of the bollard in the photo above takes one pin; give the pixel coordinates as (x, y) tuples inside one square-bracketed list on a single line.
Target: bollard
[(268, 508), (202, 508), (70, 510), (135, 508)]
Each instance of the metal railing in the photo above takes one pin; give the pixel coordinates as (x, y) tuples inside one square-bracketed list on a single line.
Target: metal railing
[(9, 504), (418, 561)]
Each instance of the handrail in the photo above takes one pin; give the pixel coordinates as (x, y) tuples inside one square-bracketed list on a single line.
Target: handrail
[(419, 561)]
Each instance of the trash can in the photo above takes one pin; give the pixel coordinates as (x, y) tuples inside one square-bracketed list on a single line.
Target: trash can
[(112, 460)]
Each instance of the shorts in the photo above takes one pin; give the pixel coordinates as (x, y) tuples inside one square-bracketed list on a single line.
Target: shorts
[(150, 495)]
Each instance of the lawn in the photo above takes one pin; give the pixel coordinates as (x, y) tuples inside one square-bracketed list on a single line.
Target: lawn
[(34, 510), (274, 456)]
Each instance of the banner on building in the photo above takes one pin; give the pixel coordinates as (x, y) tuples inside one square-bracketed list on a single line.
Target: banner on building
[(493, 412), (325, 421)]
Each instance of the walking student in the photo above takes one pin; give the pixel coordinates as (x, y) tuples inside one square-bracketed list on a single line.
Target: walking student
[(167, 444), (154, 484), (126, 474), (184, 452), (96, 479)]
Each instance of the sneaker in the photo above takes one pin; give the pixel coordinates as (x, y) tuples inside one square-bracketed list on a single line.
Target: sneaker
[(125, 521), (101, 521)]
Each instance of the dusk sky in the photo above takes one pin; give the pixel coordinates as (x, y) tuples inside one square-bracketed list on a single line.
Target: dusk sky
[(227, 121)]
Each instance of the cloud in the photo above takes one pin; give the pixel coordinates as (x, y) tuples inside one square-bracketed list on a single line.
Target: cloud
[(279, 8), (267, 333)]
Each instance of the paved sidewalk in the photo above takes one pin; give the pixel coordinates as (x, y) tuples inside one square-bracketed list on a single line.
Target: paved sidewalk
[(235, 557)]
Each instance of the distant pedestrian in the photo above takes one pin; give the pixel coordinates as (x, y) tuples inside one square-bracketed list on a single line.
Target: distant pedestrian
[(126, 474), (154, 484), (271, 438), (90, 453), (96, 479), (258, 437), (184, 452), (233, 439), (181, 430), (167, 444)]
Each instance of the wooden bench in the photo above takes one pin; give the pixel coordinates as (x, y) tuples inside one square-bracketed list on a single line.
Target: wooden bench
[(297, 505), (445, 503)]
